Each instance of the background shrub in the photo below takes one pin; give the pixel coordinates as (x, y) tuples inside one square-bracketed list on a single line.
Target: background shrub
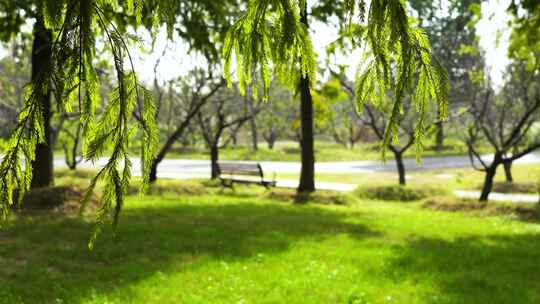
[(318, 197), (163, 186), (398, 193)]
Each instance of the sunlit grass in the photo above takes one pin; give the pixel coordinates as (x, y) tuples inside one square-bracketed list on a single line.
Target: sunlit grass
[(251, 249)]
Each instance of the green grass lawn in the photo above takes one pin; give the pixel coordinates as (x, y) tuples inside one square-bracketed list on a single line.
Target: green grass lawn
[(219, 248)]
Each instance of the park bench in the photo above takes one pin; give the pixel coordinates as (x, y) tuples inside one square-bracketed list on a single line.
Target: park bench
[(243, 173)]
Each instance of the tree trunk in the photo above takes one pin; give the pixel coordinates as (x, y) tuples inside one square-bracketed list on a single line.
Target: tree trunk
[(252, 122), (72, 164), (160, 156), (351, 137), (307, 172), (270, 139), (178, 133), (508, 171), (254, 138), (488, 182), (214, 156), (271, 143), (42, 166), (153, 171), (168, 145), (439, 136), (400, 167)]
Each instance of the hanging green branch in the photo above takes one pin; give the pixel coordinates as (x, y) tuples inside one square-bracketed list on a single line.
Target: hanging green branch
[(269, 35), (21, 150), (74, 79), (402, 65), (397, 63)]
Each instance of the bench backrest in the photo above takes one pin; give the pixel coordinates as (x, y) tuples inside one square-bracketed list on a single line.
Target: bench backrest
[(230, 168)]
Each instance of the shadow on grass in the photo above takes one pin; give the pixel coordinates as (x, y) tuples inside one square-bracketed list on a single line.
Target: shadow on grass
[(492, 269), (44, 258)]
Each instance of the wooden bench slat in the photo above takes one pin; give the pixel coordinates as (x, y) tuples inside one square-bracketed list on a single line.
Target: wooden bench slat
[(239, 167), (226, 173), (240, 172)]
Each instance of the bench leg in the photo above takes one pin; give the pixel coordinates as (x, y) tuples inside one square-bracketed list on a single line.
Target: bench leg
[(227, 183)]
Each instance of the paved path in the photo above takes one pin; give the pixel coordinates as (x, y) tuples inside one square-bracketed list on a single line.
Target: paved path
[(501, 197), (186, 169), (293, 184), (176, 168)]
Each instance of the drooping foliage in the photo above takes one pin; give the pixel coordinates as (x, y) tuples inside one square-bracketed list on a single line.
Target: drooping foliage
[(451, 28), (74, 81), (79, 28), (405, 69), (269, 35)]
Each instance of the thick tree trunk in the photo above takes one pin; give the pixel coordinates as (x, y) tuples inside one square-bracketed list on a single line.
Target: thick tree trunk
[(508, 171), (400, 167), (307, 172), (488, 182), (214, 157), (42, 166)]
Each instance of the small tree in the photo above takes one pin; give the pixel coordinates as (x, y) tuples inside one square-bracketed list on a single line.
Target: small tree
[(278, 114), (344, 124), (221, 118), (375, 116), (503, 121), (70, 140), (178, 108), (345, 127)]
